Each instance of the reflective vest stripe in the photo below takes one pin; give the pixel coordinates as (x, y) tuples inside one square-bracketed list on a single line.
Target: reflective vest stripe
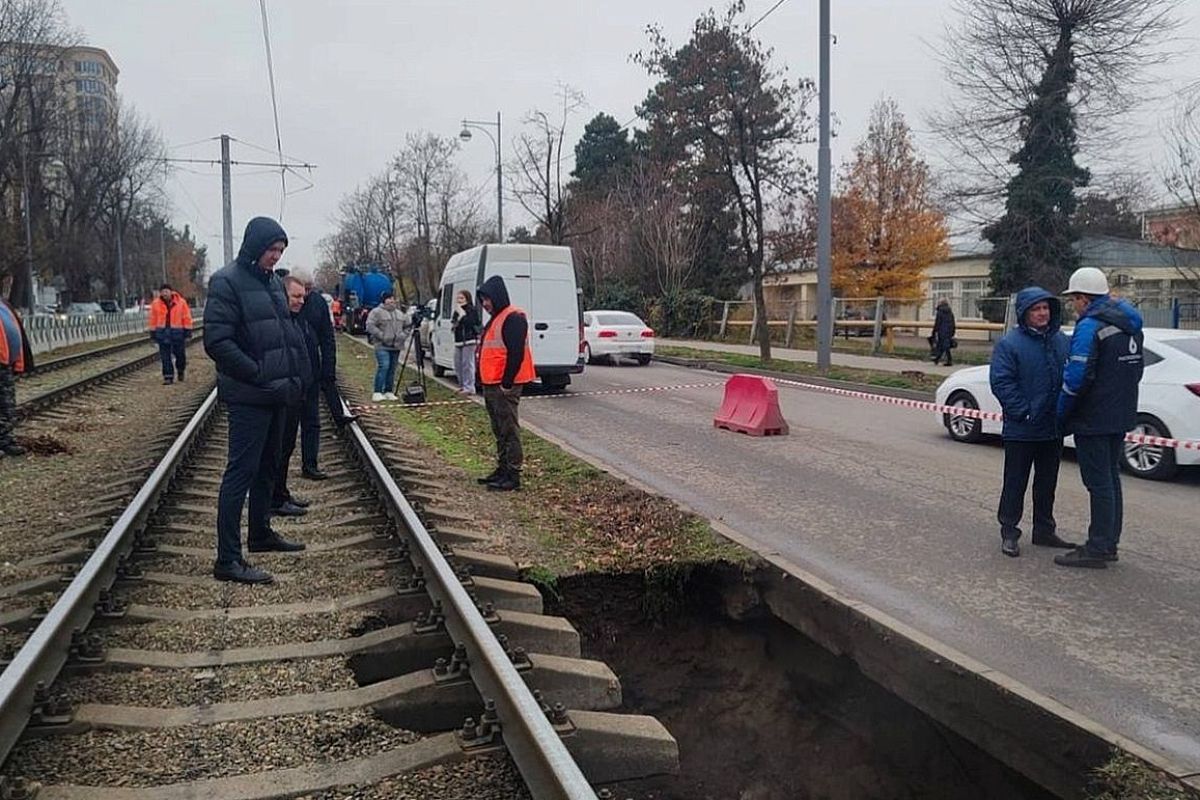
[(493, 355)]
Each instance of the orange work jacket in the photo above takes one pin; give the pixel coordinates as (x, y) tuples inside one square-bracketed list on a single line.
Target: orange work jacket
[(180, 314), (493, 355), (12, 341)]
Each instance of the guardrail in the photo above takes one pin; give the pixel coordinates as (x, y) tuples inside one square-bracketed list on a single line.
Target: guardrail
[(48, 332)]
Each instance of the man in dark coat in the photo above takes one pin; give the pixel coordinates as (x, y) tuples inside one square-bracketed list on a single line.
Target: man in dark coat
[(283, 502), (318, 323), (1025, 374), (1098, 405), (258, 352), (943, 332), (505, 367)]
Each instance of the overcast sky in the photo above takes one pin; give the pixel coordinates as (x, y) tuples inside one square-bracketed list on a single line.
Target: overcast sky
[(354, 76)]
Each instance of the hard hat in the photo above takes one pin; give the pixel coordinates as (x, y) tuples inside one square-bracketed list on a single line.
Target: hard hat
[(1087, 280)]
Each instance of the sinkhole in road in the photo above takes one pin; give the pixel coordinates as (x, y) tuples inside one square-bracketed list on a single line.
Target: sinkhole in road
[(760, 711)]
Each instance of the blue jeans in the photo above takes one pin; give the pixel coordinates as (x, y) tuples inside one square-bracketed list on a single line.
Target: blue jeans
[(255, 442), (385, 370), (1100, 467)]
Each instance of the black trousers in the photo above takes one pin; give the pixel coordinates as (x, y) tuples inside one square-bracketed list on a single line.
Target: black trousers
[(502, 411), (254, 445), (1019, 457), (170, 346), (287, 445)]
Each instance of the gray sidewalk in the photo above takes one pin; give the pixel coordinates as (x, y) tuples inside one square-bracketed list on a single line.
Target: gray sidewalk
[(839, 359)]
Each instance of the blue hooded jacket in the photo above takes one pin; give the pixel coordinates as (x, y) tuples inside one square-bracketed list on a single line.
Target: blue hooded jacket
[(1100, 383), (1027, 369)]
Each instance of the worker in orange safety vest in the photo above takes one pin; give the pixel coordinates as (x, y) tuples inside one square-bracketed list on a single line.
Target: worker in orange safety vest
[(505, 366)]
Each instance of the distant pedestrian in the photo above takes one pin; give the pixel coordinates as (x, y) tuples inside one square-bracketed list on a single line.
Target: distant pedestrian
[(1098, 405), (16, 357), (250, 337), (171, 327), (1026, 373), (943, 332), (465, 322), (387, 330), (505, 367), (283, 502)]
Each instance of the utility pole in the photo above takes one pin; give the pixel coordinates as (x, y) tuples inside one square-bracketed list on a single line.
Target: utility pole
[(29, 292), (824, 219), (162, 246), (120, 262), (499, 191), (226, 199)]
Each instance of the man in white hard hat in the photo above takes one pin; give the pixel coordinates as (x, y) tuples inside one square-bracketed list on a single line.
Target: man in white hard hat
[(1098, 404)]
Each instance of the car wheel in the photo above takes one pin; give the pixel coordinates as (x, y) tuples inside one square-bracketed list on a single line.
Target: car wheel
[(587, 354), (643, 358), (963, 429), (1150, 461)]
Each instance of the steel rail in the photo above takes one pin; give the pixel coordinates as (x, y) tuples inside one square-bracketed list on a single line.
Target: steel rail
[(547, 767), (42, 367), (46, 650), (55, 396)]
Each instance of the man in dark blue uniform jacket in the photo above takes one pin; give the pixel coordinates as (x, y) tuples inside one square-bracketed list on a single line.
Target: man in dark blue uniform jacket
[(1098, 405)]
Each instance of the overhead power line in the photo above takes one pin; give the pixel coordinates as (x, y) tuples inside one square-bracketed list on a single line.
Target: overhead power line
[(283, 193), (764, 16)]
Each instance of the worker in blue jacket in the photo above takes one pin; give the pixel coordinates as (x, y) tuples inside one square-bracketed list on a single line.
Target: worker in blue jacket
[(1098, 405), (1025, 374)]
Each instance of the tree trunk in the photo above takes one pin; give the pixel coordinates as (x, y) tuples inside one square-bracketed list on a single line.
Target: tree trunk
[(764, 328)]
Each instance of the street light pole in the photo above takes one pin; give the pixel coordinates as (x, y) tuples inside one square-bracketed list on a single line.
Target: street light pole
[(465, 135), (824, 216), (29, 292)]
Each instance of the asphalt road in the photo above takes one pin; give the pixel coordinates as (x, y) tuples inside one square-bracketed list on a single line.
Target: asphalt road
[(879, 501)]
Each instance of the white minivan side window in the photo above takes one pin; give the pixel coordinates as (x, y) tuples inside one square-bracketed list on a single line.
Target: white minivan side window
[(447, 305)]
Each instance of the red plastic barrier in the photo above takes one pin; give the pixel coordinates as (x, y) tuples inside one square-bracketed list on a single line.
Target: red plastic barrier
[(751, 406)]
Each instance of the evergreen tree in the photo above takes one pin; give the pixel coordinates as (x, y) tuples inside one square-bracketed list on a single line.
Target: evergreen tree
[(1033, 241), (602, 155)]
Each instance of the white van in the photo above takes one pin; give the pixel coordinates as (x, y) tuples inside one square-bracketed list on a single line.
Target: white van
[(540, 280)]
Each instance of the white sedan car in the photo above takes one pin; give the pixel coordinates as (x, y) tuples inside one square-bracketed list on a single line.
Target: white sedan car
[(610, 334), (1168, 403)]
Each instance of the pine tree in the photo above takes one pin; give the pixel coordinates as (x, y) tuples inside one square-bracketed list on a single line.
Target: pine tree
[(1033, 241)]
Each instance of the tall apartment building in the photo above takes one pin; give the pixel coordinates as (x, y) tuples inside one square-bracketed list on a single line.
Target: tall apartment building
[(88, 77)]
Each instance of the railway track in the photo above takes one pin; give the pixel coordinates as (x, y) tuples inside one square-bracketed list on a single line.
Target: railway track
[(40, 393), (54, 364), (395, 657)]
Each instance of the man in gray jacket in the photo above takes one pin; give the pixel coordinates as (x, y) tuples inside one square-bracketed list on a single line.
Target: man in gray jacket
[(387, 329)]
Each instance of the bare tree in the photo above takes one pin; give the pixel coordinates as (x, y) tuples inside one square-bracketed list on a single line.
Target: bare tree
[(667, 234), (422, 167), (1182, 178), (536, 178), (998, 53)]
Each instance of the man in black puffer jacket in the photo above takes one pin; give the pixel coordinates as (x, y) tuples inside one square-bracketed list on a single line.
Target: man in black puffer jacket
[(260, 355)]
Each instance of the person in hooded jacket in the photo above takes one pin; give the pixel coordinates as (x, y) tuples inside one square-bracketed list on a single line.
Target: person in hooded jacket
[(505, 366), (259, 355), (16, 357), (171, 326), (1025, 374), (1098, 405), (943, 332)]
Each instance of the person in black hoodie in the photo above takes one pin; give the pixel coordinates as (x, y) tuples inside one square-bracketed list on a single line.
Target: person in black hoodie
[(258, 353), (505, 366), (464, 321)]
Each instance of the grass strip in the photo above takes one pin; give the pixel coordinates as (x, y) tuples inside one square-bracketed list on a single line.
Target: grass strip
[(578, 518)]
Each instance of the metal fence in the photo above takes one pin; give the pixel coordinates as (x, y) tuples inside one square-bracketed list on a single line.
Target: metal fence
[(48, 332)]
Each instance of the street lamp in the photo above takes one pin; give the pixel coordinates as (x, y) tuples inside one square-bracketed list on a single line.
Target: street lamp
[(465, 135)]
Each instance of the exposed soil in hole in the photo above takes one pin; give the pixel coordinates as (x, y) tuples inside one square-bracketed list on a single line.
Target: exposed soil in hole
[(44, 445), (760, 711)]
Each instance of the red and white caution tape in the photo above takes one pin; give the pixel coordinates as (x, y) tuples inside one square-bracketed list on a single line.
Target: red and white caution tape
[(596, 393), (973, 413)]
